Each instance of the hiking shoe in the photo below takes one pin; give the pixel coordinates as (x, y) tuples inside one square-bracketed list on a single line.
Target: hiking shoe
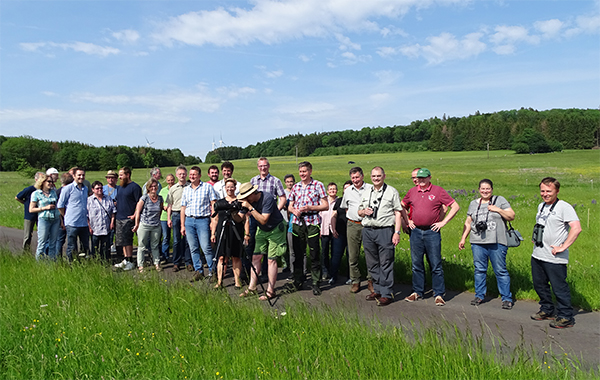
[(507, 305), (439, 301), (197, 276), (190, 267), (384, 301), (413, 297), (128, 266), (316, 291), (477, 301), (121, 264), (541, 315), (562, 323)]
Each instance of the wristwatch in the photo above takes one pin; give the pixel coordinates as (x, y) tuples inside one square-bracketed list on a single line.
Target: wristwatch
[(397, 232)]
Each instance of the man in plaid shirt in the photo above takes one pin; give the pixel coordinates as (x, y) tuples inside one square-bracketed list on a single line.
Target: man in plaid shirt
[(307, 198), (196, 207)]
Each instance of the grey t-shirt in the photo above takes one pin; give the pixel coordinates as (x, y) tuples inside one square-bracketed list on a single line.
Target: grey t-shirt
[(556, 231), (151, 211), (496, 229)]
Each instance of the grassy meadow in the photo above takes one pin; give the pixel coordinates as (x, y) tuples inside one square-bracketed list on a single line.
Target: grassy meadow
[(83, 321), (516, 177)]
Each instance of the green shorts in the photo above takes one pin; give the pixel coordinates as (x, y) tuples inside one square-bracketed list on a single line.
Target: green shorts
[(273, 243)]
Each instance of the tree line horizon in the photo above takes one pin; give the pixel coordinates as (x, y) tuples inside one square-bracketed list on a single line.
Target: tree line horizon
[(525, 131)]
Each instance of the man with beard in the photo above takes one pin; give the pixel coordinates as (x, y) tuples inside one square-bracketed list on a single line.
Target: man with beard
[(213, 175), (128, 195)]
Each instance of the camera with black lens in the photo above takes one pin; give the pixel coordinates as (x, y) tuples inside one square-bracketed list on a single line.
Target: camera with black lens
[(374, 214), (223, 205), (481, 226), (538, 235)]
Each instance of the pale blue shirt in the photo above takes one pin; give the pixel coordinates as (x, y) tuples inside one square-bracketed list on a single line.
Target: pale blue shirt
[(197, 201), (74, 200)]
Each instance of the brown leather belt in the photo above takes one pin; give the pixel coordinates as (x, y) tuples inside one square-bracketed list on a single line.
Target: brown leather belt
[(354, 221)]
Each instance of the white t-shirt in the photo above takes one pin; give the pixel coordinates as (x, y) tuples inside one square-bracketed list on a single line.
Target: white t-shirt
[(556, 231)]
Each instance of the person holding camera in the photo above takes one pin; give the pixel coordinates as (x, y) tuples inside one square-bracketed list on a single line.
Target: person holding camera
[(270, 239), (227, 230), (382, 212), (556, 229), (427, 200), (485, 224)]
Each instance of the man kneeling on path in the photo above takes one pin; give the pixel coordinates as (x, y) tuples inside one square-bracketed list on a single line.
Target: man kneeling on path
[(271, 237), (382, 212)]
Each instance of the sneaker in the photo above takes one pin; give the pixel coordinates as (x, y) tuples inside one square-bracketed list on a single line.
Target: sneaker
[(113, 249), (562, 323), (129, 266), (331, 281), (439, 301), (507, 305), (121, 265), (541, 315), (413, 297), (82, 254), (349, 282), (477, 301)]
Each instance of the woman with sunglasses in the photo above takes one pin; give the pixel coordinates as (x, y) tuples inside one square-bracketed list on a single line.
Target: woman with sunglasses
[(43, 203)]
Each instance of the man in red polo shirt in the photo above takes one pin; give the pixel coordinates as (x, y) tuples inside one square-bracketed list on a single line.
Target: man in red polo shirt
[(427, 201)]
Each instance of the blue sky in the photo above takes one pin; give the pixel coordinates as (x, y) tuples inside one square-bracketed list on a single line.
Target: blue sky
[(185, 73)]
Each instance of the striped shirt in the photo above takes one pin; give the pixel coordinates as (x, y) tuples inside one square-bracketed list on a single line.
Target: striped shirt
[(100, 212), (197, 201), (309, 195)]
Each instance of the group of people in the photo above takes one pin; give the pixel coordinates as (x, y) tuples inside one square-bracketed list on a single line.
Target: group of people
[(261, 224)]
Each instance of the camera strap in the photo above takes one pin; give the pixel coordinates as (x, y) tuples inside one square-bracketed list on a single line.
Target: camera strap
[(541, 208), (380, 197)]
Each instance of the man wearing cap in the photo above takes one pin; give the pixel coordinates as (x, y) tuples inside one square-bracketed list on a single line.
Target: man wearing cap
[(427, 201), (196, 208), (381, 211), (307, 198), (350, 201), (53, 173), (109, 191), (270, 237)]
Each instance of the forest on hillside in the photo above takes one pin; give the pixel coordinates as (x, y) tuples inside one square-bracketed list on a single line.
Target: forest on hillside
[(525, 130)]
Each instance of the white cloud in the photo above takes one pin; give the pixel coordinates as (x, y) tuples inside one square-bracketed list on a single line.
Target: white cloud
[(306, 109), (589, 24), (549, 28), (271, 22), (127, 36), (168, 102), (271, 74), (88, 118), (50, 93), (236, 92), (379, 98), (506, 38), (304, 58), (81, 47), (445, 47), (387, 77), (346, 43)]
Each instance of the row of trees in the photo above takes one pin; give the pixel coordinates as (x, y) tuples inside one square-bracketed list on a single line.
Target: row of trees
[(524, 130), (22, 153)]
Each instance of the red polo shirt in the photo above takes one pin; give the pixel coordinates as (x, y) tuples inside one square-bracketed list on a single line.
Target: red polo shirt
[(427, 204)]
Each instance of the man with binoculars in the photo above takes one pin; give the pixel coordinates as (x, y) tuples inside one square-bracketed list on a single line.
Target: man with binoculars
[(557, 227)]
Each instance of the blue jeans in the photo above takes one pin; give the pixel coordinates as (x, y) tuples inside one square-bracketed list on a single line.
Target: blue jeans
[(47, 236), (166, 239), (544, 275), (496, 253), (84, 237), (60, 241), (338, 247), (198, 235), (181, 250), (427, 242)]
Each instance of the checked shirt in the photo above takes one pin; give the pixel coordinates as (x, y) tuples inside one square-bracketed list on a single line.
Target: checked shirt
[(269, 184), (309, 195), (197, 201)]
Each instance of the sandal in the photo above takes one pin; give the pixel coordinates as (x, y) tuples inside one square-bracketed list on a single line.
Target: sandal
[(268, 296), (248, 293), (141, 269), (219, 286)]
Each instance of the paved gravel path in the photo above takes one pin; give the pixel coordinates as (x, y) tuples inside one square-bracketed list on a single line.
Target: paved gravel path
[(511, 327)]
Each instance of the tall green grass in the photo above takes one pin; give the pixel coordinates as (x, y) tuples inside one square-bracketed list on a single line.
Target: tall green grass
[(516, 177), (84, 321)]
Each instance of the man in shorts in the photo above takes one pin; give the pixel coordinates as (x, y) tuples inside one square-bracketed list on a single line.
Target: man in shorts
[(128, 195)]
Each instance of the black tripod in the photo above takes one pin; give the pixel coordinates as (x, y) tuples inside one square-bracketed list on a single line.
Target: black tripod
[(228, 221)]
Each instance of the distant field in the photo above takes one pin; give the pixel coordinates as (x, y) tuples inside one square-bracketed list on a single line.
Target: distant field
[(516, 177)]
